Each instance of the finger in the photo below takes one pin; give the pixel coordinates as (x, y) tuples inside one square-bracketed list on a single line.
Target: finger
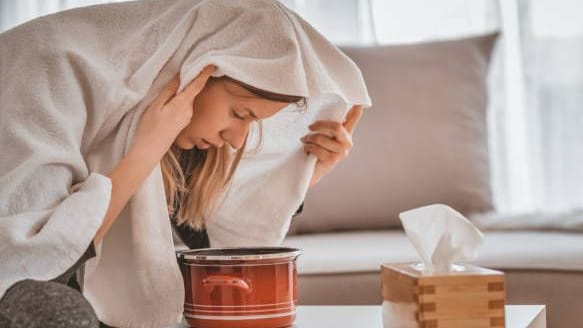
[(321, 154), (324, 141), (333, 129), (352, 118), (167, 93), (196, 85)]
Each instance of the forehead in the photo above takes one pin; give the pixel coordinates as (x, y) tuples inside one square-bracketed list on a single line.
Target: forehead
[(260, 107), (236, 89)]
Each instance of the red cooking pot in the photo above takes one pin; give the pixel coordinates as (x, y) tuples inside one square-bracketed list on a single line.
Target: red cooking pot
[(240, 287)]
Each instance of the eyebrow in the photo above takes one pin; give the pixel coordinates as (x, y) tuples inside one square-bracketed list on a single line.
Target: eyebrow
[(251, 113)]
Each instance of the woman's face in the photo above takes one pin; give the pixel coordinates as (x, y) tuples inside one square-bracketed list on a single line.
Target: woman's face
[(223, 113)]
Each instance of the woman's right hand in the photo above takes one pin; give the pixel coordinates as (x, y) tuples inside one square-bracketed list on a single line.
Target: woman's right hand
[(168, 114), (163, 120)]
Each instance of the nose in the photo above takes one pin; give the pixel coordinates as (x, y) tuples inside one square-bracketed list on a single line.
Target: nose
[(236, 137)]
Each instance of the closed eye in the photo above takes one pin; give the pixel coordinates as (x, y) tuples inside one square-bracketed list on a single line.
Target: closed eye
[(237, 115)]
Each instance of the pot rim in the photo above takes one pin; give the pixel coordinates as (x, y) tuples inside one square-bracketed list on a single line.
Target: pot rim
[(240, 253)]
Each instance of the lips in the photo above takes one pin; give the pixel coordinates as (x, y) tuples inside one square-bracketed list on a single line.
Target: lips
[(203, 144), (209, 143)]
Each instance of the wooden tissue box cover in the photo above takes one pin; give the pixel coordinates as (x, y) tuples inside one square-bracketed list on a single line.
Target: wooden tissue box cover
[(474, 297)]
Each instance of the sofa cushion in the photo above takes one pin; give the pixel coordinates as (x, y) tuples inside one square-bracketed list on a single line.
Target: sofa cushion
[(423, 141), (365, 251)]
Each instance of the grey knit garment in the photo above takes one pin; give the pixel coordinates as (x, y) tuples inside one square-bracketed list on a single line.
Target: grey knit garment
[(46, 304)]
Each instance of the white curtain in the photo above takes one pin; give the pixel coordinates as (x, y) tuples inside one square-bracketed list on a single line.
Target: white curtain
[(536, 84), (551, 34)]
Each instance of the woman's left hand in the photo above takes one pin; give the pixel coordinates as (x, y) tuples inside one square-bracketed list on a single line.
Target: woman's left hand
[(331, 142)]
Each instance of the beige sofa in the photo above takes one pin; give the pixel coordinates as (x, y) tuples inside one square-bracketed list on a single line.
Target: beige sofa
[(424, 141)]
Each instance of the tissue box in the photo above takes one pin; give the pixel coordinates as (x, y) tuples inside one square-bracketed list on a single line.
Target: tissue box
[(473, 297)]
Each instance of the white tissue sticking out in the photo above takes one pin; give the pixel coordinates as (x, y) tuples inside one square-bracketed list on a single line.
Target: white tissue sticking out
[(441, 236)]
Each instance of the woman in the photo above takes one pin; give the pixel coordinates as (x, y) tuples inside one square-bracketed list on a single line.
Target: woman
[(93, 99), (184, 130)]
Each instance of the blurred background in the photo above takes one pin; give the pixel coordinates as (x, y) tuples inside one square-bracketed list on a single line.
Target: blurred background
[(536, 78)]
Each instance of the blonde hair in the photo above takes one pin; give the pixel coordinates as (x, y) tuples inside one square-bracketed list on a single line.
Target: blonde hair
[(195, 179)]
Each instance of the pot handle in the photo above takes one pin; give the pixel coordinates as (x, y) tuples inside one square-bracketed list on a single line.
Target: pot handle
[(210, 282)]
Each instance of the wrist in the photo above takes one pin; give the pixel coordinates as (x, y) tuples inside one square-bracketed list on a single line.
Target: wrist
[(147, 155)]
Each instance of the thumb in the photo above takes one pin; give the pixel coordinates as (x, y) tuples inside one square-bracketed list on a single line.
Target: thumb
[(352, 118)]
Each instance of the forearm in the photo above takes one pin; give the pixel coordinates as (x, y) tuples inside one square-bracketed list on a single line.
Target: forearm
[(126, 178)]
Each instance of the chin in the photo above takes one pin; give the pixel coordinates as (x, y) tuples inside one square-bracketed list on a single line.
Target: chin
[(183, 145)]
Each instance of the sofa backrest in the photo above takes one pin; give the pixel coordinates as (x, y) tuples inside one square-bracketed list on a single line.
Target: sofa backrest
[(423, 141)]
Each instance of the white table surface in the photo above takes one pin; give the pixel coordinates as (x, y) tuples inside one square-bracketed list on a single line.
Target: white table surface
[(364, 316), (353, 316)]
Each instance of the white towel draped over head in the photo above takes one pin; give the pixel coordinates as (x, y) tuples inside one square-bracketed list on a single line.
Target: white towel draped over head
[(72, 89)]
